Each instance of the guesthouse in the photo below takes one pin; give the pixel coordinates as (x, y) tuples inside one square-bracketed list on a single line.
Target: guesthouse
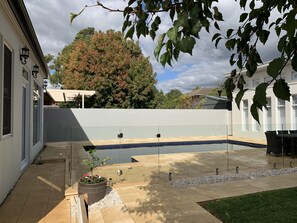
[(22, 70), (279, 115)]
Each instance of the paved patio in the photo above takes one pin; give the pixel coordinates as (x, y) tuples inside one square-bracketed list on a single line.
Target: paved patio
[(144, 186)]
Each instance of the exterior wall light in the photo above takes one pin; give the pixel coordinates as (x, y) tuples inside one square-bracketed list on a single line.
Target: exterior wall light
[(35, 71), (44, 85), (24, 55)]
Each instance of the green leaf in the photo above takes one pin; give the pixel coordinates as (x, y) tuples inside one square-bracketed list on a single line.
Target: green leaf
[(182, 21), (239, 96), (157, 20), (242, 3), (239, 61), (74, 15), (216, 25), (176, 54), (217, 15), (196, 29), (229, 86), (157, 51), (243, 17), (232, 61), (217, 41), (282, 43), (125, 24), (127, 11), (230, 44), (169, 48), (130, 33), (131, 2), (172, 34), (186, 44), (161, 38), (264, 34), (252, 4), (281, 90), (229, 32), (172, 13), (216, 35), (260, 94), (233, 73), (153, 34), (290, 24), (241, 82), (275, 66), (294, 62), (278, 30), (254, 112), (164, 58)]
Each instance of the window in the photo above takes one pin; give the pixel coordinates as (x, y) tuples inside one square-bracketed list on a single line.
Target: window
[(36, 113), (256, 82), (7, 91), (245, 115), (268, 116), (294, 111), (293, 75), (281, 110)]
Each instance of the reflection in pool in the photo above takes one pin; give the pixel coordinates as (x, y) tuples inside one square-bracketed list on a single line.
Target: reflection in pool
[(122, 153)]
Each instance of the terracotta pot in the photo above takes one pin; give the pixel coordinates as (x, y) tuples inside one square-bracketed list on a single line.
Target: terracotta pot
[(95, 192)]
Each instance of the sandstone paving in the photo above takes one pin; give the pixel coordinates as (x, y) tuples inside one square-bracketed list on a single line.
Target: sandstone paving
[(144, 187)]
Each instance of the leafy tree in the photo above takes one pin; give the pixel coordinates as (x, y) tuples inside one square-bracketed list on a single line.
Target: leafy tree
[(85, 34), (175, 99), (111, 65), (48, 58), (190, 17)]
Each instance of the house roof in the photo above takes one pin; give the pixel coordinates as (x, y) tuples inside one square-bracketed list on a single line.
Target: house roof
[(61, 95), (20, 12), (260, 67), (217, 98), (200, 91)]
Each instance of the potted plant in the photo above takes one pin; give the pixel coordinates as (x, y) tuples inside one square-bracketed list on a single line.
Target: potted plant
[(94, 186)]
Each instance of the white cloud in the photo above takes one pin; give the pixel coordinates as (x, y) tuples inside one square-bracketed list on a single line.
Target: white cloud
[(206, 67)]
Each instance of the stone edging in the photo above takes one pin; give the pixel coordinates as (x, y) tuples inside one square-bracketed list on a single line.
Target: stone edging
[(232, 177)]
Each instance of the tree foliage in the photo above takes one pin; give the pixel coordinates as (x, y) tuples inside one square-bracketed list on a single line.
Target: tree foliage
[(175, 99), (190, 17), (111, 65)]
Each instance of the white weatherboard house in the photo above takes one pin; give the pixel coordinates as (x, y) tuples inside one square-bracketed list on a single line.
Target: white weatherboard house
[(22, 70), (280, 115)]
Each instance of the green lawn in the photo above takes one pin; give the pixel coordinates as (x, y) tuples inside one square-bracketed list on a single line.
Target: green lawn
[(271, 206)]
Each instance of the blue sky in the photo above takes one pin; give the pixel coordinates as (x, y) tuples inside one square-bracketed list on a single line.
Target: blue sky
[(206, 68)]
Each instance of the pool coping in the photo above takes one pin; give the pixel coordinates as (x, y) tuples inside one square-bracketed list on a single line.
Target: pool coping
[(175, 143)]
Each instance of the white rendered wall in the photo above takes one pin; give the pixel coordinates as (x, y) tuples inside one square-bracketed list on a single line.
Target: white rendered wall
[(11, 146), (95, 124)]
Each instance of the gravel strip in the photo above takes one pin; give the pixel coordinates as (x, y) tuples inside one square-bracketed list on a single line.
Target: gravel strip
[(232, 177), (111, 198)]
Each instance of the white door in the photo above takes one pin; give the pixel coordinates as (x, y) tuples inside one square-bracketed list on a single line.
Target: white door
[(25, 121)]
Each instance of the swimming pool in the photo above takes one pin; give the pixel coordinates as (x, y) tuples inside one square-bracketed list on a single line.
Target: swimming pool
[(122, 153)]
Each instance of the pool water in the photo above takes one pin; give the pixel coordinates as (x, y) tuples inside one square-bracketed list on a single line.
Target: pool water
[(123, 153)]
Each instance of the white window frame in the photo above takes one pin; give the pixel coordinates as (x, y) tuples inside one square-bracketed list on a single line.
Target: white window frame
[(267, 124), (280, 125), (37, 125), (245, 115), (2, 48), (294, 111)]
